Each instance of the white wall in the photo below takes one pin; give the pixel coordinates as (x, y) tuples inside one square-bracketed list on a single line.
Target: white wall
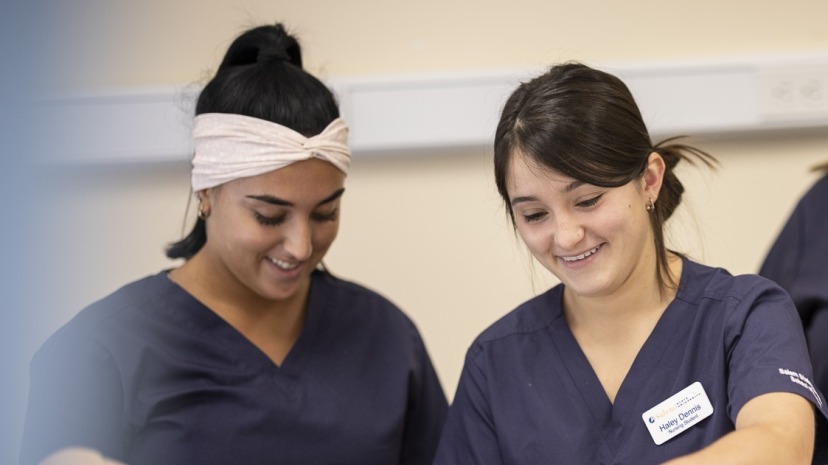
[(427, 230)]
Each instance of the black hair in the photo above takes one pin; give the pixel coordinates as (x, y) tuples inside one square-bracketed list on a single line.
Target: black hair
[(585, 124), (261, 76)]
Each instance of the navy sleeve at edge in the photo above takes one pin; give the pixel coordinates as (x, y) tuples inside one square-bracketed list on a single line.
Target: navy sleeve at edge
[(469, 435), (75, 399), (426, 412), (768, 349)]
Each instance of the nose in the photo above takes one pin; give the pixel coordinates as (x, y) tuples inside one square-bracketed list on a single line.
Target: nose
[(568, 233), (298, 241)]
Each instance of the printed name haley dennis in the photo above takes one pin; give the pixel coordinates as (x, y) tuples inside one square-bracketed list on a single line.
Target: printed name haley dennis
[(674, 422)]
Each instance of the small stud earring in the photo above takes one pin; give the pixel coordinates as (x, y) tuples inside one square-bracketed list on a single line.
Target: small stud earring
[(650, 206), (202, 213)]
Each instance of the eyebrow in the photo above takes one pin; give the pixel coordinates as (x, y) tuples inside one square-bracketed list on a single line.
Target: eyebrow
[(284, 203), (572, 186), (530, 198)]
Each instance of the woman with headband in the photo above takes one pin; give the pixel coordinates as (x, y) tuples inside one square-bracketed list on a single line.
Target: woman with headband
[(641, 355), (250, 352)]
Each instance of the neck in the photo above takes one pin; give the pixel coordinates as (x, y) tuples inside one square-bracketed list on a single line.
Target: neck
[(634, 304), (248, 312)]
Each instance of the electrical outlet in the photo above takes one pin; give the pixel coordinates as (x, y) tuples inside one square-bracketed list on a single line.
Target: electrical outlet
[(794, 92)]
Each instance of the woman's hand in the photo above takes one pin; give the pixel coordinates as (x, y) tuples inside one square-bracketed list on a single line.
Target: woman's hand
[(78, 456)]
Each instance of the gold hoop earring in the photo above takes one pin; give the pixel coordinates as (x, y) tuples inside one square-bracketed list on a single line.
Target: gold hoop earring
[(203, 215), (650, 206)]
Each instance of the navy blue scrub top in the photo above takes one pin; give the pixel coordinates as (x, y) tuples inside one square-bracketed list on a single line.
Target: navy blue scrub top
[(528, 395), (150, 376), (798, 261)]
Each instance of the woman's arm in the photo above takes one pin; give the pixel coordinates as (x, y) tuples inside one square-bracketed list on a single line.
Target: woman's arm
[(773, 429), (469, 435), (427, 412), (75, 400), (78, 456)]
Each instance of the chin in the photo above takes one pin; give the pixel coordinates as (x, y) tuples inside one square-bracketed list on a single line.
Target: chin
[(582, 289), (284, 291), (277, 296)]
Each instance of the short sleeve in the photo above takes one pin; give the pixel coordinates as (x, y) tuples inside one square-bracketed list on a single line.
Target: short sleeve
[(782, 262), (469, 435), (767, 350), (426, 412), (75, 399), (796, 261)]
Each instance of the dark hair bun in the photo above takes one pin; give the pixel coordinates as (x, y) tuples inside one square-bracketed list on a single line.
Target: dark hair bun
[(261, 76), (263, 44), (269, 53)]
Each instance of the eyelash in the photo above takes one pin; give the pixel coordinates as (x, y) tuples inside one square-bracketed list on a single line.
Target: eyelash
[(584, 204), (278, 220), (533, 217), (590, 202), (269, 220), (325, 217)]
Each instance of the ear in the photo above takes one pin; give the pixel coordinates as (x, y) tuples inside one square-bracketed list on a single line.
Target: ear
[(205, 200), (653, 176)]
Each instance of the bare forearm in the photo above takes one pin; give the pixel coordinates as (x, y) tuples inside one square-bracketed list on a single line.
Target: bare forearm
[(757, 445)]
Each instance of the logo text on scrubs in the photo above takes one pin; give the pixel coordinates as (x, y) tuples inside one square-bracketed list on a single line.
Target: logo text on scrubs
[(803, 381)]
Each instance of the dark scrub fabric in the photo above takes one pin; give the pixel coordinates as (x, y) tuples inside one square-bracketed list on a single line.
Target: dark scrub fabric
[(798, 261), (528, 395), (150, 376)]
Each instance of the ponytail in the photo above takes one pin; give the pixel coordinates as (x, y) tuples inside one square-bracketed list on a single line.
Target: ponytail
[(820, 167), (669, 198), (671, 190)]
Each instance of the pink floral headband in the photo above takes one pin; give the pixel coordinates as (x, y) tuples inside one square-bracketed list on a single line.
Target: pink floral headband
[(230, 146)]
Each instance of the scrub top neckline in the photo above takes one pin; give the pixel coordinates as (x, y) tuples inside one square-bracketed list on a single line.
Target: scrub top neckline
[(615, 418), (188, 310)]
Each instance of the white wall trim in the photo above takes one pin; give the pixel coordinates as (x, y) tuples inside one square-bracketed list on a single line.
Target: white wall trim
[(388, 114)]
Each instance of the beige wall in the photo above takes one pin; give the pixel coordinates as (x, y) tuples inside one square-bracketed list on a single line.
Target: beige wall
[(426, 230)]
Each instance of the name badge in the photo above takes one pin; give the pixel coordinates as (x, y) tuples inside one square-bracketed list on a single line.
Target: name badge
[(678, 413)]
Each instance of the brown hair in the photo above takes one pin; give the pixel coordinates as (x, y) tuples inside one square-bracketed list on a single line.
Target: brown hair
[(585, 124), (820, 167)]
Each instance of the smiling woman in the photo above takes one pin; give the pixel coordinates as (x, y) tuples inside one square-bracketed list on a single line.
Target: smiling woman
[(640, 355), (251, 352), (267, 235)]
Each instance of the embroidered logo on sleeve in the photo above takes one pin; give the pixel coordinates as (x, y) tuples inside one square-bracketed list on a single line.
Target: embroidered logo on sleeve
[(803, 381)]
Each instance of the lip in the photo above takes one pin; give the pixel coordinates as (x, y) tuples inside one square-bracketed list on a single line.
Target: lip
[(581, 258), (293, 269)]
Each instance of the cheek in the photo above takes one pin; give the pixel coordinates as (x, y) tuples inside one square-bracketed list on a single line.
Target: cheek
[(613, 220), (534, 238), (324, 235), (610, 225), (238, 236), (626, 224), (258, 238)]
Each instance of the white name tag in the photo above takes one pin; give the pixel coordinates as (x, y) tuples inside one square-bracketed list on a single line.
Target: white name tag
[(678, 413)]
